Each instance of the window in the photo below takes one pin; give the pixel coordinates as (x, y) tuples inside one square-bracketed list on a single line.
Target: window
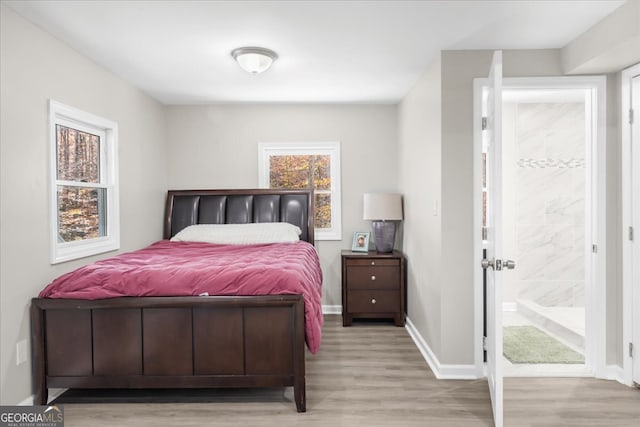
[(84, 184), (307, 165)]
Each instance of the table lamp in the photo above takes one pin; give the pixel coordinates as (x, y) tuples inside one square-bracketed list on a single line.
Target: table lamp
[(383, 209)]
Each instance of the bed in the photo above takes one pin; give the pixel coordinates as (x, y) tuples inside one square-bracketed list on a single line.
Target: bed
[(196, 341)]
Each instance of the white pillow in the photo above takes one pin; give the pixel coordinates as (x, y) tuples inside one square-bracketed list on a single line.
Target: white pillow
[(240, 234)]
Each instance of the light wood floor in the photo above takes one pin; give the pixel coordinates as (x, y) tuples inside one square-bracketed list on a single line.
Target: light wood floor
[(371, 374)]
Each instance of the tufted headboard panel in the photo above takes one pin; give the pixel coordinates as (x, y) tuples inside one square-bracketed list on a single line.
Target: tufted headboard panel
[(188, 207)]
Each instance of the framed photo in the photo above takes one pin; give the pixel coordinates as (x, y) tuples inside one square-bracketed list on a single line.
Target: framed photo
[(361, 241)]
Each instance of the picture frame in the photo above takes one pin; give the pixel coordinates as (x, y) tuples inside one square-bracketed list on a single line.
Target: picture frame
[(361, 241)]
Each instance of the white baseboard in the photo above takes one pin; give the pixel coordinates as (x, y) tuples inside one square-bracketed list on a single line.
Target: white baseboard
[(54, 393), (614, 372), (442, 372), (331, 309), (27, 402)]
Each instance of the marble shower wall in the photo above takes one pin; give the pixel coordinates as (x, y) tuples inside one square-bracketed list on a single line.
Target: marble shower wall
[(548, 230)]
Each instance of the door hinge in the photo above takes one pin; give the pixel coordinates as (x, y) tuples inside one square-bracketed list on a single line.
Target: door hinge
[(631, 116), (630, 349), (594, 248), (484, 123), (631, 233), (484, 343)]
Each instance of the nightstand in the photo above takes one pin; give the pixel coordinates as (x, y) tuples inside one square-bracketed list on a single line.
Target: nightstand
[(372, 286)]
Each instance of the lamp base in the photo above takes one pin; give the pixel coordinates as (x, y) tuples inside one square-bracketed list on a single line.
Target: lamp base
[(385, 234)]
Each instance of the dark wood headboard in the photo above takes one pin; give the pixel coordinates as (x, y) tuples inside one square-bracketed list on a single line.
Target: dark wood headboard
[(188, 207)]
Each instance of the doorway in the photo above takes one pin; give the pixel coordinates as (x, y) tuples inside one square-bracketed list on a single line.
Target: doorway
[(545, 136), (554, 213)]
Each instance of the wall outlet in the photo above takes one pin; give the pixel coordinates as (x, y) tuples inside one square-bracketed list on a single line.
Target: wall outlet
[(21, 352)]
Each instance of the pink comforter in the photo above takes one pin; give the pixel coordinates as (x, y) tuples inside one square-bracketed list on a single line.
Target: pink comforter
[(187, 268)]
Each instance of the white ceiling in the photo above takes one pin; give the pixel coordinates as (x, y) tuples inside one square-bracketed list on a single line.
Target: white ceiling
[(329, 51)]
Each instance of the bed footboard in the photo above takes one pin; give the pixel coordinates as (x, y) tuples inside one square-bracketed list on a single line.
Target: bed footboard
[(169, 342)]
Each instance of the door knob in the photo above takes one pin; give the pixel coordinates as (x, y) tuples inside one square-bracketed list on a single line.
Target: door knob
[(486, 263), (509, 264)]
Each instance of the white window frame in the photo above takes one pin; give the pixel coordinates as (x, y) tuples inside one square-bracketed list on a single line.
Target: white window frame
[(332, 149), (61, 114)]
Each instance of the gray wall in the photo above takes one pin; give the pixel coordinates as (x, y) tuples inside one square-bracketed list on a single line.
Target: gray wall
[(33, 68), (420, 181), (609, 46), (217, 147)]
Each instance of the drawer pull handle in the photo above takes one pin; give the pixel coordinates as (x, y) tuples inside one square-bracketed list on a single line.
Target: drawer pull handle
[(373, 277), (373, 263), (373, 300)]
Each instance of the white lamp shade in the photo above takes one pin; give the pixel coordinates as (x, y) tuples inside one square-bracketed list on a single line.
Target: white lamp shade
[(382, 206), (254, 60)]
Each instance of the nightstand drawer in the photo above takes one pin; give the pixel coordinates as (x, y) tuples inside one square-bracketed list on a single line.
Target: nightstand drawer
[(373, 301), (370, 262), (378, 277)]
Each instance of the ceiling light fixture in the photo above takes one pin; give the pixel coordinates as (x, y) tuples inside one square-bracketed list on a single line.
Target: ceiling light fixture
[(254, 60)]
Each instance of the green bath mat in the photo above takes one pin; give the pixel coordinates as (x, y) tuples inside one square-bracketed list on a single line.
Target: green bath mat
[(528, 344)]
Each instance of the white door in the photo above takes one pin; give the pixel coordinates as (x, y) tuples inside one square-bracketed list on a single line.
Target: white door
[(635, 186), (493, 261)]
